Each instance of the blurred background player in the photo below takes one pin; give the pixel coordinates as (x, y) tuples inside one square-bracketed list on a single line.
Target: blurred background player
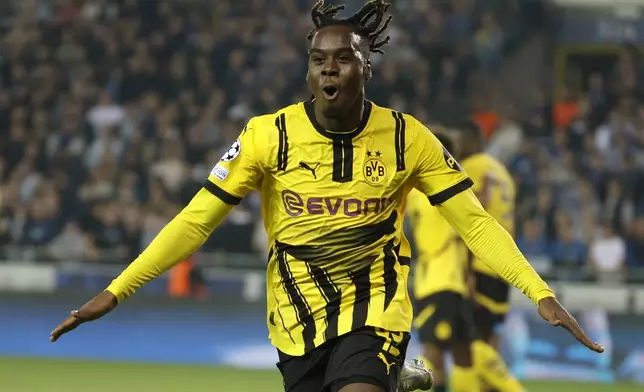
[(443, 313), (495, 188)]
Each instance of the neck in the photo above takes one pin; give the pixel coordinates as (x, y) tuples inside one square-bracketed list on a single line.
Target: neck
[(347, 123)]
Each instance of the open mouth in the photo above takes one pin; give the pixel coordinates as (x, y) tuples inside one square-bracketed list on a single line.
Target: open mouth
[(330, 92)]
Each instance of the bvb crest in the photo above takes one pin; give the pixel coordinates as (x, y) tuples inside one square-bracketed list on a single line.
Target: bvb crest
[(374, 169)]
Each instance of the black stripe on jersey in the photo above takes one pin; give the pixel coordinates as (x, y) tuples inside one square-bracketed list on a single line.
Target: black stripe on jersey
[(390, 275), (270, 256), (221, 194), (271, 318), (284, 325), (341, 244), (302, 309), (342, 160), (443, 196), (362, 282), (403, 260), (399, 140), (337, 160), (331, 295), (282, 151)]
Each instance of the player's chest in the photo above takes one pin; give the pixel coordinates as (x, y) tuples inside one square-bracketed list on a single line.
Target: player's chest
[(365, 167)]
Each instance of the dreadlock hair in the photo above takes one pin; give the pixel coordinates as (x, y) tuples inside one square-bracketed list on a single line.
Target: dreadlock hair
[(367, 21)]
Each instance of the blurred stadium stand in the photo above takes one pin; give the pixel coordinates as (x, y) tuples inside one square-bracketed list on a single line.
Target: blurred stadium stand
[(112, 113)]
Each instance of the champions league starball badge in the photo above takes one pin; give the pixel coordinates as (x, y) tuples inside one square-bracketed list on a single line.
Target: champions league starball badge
[(232, 152)]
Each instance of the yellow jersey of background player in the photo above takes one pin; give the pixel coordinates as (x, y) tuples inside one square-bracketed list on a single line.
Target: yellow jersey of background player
[(495, 188), (443, 313), (440, 264), (440, 256)]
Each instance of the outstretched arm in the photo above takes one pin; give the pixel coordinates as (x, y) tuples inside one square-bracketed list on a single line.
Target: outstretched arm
[(178, 239), (490, 242), (186, 233), (240, 170)]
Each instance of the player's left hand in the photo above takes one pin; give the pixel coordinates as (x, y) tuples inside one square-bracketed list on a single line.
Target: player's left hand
[(554, 313)]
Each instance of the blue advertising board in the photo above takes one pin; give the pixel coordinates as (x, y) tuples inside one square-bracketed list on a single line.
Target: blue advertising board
[(213, 335)]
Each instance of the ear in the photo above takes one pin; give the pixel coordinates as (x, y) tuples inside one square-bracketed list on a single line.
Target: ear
[(367, 71)]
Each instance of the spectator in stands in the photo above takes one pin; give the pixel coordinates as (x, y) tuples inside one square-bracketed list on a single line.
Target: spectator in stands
[(106, 232), (41, 224), (70, 245), (568, 252), (635, 246), (105, 114), (524, 167), (616, 205), (607, 254), (534, 245), (610, 140), (588, 210), (488, 41), (132, 226), (544, 211)]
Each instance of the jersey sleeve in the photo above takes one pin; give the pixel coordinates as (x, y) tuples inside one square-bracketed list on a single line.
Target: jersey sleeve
[(241, 168), (437, 174)]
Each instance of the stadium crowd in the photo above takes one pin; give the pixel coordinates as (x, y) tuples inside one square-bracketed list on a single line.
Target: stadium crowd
[(112, 113)]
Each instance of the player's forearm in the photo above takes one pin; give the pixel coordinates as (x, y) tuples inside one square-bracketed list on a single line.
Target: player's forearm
[(491, 243), (178, 240)]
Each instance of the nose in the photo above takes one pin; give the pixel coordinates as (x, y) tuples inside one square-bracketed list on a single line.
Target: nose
[(330, 69)]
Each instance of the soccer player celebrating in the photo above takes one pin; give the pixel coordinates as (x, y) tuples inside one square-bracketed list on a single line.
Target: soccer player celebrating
[(333, 174), (495, 188), (444, 319)]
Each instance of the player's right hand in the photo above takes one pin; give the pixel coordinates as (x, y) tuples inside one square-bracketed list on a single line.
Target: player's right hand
[(98, 307)]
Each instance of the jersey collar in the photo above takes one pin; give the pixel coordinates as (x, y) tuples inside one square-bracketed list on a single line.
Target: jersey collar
[(308, 107)]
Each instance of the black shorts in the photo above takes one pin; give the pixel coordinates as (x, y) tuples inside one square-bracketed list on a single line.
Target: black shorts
[(367, 355), (449, 320), (487, 319)]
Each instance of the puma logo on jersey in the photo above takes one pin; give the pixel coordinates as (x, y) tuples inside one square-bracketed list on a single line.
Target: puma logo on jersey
[(304, 165), (384, 360)]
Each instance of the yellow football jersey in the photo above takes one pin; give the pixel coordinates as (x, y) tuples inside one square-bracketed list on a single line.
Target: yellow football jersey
[(333, 206), (495, 188), (441, 255)]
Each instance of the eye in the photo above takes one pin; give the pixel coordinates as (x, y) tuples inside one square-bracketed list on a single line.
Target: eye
[(343, 58), (317, 60)]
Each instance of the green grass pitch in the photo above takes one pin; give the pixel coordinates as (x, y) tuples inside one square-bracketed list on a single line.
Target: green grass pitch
[(49, 375)]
